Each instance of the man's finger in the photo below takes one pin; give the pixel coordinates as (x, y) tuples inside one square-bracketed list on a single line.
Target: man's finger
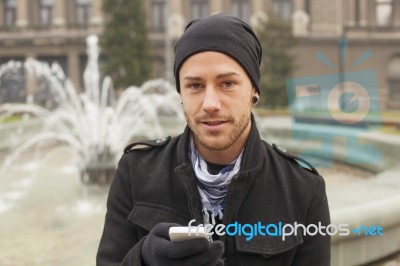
[(206, 258), (186, 248)]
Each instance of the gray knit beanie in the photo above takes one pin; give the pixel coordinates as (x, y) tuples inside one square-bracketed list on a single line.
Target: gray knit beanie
[(225, 34)]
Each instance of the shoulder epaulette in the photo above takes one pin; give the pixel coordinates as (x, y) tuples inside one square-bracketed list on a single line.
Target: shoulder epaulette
[(295, 158), (156, 143)]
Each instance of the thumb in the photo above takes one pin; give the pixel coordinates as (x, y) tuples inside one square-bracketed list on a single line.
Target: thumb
[(162, 229)]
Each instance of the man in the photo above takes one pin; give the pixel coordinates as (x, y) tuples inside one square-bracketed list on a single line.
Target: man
[(218, 171)]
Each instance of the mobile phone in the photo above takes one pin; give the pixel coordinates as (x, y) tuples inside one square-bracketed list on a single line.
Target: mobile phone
[(181, 233)]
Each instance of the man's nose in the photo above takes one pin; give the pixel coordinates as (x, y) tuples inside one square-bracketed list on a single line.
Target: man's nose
[(211, 101)]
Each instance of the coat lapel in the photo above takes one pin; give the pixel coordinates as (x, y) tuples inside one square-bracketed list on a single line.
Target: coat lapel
[(186, 176)]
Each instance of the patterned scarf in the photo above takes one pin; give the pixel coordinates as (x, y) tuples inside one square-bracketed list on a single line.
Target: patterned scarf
[(212, 188)]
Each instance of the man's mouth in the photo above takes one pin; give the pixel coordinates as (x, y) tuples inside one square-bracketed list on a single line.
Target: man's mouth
[(213, 123)]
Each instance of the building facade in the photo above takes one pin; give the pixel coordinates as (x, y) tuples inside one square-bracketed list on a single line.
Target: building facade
[(55, 30), (50, 31)]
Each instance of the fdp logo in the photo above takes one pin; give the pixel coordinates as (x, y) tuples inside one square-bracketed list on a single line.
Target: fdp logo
[(335, 108)]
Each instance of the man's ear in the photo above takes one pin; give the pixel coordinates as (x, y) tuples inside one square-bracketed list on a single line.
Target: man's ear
[(255, 98)]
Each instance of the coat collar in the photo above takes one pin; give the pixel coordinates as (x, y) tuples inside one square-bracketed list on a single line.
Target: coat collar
[(253, 150)]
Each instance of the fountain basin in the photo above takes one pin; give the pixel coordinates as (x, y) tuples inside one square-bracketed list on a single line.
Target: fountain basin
[(99, 172), (368, 203)]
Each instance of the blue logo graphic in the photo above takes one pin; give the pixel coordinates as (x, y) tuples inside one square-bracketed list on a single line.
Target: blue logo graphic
[(282, 230), (375, 230), (334, 109)]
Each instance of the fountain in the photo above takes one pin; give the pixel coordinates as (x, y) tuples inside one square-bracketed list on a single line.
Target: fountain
[(93, 123)]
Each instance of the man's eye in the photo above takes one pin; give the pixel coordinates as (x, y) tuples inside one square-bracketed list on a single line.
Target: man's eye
[(227, 84), (195, 86)]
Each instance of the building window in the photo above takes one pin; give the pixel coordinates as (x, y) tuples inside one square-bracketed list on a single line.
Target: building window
[(158, 15), (199, 8), (83, 11), (46, 11), (44, 95), (308, 10), (10, 7), (384, 12), (12, 82), (240, 9), (357, 12), (393, 75), (307, 7), (282, 8), (394, 90)]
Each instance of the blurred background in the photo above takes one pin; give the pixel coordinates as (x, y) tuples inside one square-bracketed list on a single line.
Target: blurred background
[(55, 175)]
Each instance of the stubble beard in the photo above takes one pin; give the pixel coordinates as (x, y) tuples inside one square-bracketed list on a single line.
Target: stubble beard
[(219, 141)]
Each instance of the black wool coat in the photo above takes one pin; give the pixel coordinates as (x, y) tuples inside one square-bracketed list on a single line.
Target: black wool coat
[(157, 184)]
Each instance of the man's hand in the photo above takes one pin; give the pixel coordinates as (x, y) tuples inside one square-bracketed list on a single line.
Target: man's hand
[(158, 250)]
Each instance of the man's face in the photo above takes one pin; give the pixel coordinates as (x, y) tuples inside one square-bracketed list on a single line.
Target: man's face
[(216, 94)]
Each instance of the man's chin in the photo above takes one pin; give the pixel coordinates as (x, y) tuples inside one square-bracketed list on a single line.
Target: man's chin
[(215, 143)]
